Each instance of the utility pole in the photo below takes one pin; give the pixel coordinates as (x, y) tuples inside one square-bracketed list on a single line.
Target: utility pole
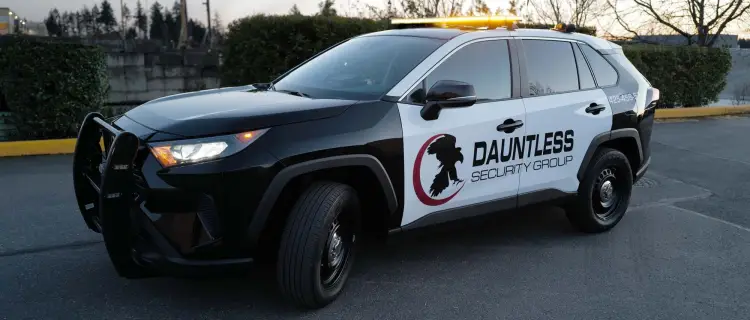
[(208, 16), (183, 24)]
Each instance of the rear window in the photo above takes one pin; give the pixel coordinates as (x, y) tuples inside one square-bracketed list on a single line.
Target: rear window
[(363, 68), (604, 73)]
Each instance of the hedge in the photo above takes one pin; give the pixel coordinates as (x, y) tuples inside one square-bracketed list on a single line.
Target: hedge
[(50, 86), (259, 48), (685, 76)]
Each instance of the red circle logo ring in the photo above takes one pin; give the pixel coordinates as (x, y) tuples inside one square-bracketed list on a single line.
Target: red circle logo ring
[(443, 146)]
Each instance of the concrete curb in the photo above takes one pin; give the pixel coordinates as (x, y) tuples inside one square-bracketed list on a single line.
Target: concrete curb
[(66, 146), (37, 147), (678, 113)]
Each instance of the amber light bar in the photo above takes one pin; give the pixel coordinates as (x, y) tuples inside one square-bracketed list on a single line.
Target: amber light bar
[(479, 21)]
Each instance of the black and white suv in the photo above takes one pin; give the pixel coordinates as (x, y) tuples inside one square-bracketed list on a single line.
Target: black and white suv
[(389, 131)]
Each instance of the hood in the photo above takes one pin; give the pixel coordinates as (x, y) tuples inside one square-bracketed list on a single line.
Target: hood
[(231, 110)]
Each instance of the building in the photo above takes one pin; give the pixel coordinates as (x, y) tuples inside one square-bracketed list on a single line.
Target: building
[(10, 23), (7, 21)]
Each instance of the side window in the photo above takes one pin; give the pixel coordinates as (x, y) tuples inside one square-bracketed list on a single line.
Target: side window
[(551, 67), (604, 73), (584, 73), (484, 64)]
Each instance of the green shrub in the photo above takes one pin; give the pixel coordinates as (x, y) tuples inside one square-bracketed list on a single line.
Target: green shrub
[(685, 76), (50, 86), (261, 47)]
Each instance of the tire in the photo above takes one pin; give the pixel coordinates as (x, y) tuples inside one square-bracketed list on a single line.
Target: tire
[(303, 261), (592, 211)]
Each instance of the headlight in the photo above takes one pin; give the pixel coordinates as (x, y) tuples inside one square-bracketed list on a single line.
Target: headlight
[(172, 153)]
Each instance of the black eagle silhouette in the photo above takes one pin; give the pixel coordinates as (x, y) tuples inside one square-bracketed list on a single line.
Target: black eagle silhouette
[(444, 149)]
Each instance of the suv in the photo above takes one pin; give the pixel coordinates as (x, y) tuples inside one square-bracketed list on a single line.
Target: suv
[(387, 131)]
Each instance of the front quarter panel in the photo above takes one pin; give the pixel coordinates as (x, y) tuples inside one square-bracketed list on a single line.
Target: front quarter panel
[(370, 128)]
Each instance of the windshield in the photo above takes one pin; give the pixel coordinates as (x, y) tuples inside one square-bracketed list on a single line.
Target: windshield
[(362, 68)]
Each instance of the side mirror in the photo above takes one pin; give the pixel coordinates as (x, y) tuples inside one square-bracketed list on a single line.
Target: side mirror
[(447, 94)]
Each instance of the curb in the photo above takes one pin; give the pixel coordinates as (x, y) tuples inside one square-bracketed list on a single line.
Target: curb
[(681, 113), (66, 146), (37, 147)]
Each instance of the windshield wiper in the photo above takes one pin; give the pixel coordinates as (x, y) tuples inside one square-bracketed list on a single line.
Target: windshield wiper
[(296, 93)]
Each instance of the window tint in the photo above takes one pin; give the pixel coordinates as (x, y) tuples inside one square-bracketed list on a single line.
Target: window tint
[(584, 74), (358, 69), (604, 73), (485, 65), (551, 67)]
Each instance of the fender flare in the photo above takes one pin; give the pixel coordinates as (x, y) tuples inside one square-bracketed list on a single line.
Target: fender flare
[(287, 174), (625, 133)]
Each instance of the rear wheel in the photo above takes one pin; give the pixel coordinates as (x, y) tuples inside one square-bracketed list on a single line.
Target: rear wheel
[(318, 244), (603, 194)]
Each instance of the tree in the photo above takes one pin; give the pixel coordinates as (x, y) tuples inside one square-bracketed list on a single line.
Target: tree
[(699, 21), (198, 30), (577, 12), (326, 8), (87, 21), (157, 22), (106, 17), (170, 26), (141, 22), (96, 27), (132, 33), (218, 32), (295, 11), (53, 23), (513, 10)]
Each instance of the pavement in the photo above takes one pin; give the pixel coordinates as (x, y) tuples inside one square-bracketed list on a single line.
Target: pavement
[(681, 252)]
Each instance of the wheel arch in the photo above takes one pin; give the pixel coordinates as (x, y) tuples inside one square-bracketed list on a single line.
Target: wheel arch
[(626, 140), (345, 168)]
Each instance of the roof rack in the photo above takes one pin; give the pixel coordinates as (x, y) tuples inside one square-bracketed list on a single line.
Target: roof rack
[(471, 22)]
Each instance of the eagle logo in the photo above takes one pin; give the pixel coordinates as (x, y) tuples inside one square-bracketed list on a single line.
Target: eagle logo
[(443, 147)]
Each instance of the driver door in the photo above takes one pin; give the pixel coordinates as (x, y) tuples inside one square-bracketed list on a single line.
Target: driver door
[(463, 157)]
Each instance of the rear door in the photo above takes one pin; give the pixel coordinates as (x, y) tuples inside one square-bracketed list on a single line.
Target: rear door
[(564, 112), (462, 158)]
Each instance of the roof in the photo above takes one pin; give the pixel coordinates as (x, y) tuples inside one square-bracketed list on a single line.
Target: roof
[(435, 33), (450, 33)]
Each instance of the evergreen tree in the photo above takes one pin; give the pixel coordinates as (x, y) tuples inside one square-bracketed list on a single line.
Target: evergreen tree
[(96, 27), (54, 27), (157, 22), (170, 26), (106, 17), (87, 21), (141, 22), (295, 11)]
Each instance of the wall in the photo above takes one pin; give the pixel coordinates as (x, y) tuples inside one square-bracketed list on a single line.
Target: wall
[(136, 77), (737, 90)]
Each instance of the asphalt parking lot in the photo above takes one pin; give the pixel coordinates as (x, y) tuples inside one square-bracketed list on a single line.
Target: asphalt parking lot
[(681, 252)]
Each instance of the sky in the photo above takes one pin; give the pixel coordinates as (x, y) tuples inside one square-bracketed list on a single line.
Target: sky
[(37, 10), (229, 10)]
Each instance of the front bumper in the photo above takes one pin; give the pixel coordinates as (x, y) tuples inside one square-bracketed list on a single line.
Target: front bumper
[(181, 221)]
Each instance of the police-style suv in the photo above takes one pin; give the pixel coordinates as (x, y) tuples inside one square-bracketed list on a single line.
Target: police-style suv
[(390, 131)]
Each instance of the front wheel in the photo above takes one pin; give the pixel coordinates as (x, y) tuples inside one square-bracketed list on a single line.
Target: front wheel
[(603, 194), (318, 244)]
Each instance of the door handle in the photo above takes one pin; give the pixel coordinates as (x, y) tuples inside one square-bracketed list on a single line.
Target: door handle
[(595, 108), (510, 125)]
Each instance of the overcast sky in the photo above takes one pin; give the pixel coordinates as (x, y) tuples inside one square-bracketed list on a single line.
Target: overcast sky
[(37, 10), (229, 10)]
